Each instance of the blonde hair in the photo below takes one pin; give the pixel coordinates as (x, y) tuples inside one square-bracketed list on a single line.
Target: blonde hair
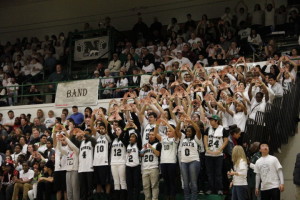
[(238, 154), (51, 112)]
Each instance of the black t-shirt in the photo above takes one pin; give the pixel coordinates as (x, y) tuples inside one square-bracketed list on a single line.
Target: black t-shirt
[(225, 132)]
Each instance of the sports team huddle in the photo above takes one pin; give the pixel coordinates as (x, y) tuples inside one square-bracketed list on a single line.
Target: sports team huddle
[(158, 141)]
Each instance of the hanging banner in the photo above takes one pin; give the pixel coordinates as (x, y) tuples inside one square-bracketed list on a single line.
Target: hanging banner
[(91, 49), (79, 93)]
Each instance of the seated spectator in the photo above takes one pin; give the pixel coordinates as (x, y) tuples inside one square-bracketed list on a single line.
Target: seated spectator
[(23, 183), (36, 97), (107, 82), (45, 185), (148, 67), (40, 115), (7, 182), (49, 151), (57, 76), (3, 93), (254, 38), (36, 70), (76, 116), (114, 65), (121, 82), (50, 120), (42, 145), (9, 121), (38, 125), (233, 51)]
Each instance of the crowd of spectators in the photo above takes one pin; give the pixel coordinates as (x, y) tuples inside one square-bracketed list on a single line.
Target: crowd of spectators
[(187, 123)]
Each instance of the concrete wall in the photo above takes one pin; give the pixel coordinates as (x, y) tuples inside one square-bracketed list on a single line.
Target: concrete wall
[(287, 159), (19, 18)]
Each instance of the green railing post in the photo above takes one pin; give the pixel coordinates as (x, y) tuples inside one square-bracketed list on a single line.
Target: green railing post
[(22, 93)]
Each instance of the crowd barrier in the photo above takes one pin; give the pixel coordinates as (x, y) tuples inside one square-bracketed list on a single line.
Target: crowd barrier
[(278, 122)]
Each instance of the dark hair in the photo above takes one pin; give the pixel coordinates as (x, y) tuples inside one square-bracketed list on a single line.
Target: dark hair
[(58, 119), (65, 109), (75, 107), (153, 114), (271, 76), (234, 129), (193, 131), (18, 146), (10, 111), (263, 142), (50, 140)]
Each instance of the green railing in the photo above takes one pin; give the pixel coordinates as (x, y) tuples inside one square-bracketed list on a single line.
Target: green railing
[(22, 91)]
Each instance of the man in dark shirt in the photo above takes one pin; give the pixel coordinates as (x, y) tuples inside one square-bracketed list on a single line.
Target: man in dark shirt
[(25, 127), (57, 76), (190, 25)]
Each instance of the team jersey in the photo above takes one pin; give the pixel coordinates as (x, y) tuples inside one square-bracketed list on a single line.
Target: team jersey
[(169, 150), (101, 151), (132, 156), (86, 157), (150, 160), (146, 132), (118, 152), (215, 140), (189, 149)]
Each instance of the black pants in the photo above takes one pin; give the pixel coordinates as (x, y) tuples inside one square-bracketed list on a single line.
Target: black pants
[(272, 194), (169, 175), (44, 190), (133, 175), (214, 166), (86, 185)]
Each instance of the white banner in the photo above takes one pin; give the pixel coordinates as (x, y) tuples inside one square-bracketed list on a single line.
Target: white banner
[(249, 65), (80, 93), (90, 49)]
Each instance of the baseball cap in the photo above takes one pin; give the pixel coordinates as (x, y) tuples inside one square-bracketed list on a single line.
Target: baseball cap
[(215, 117)]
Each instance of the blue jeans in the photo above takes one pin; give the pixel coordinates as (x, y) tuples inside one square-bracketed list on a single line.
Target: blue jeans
[(214, 166), (240, 192), (190, 172)]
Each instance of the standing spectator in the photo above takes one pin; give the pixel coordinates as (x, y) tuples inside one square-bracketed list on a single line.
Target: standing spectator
[(269, 173), (239, 183), (215, 140), (50, 61), (173, 26), (270, 15), (241, 11), (57, 76), (190, 24), (257, 16), (114, 65), (297, 176), (76, 116), (36, 70), (12, 92), (140, 29)]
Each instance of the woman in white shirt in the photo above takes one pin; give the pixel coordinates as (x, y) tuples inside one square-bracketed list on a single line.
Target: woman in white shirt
[(50, 120), (168, 158), (239, 182), (254, 38), (190, 143)]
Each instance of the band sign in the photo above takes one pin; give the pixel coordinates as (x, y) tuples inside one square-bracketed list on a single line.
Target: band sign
[(80, 93)]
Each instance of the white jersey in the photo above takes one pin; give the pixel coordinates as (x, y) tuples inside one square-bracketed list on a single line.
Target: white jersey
[(72, 160), (60, 160), (168, 150), (215, 140), (150, 160), (118, 152), (189, 149), (101, 151), (146, 132), (86, 157), (132, 156)]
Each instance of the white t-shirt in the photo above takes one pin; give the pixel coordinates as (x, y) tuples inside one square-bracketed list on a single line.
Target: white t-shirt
[(49, 121), (270, 18), (26, 176), (268, 167), (240, 120), (60, 163), (168, 150), (149, 68), (241, 169)]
